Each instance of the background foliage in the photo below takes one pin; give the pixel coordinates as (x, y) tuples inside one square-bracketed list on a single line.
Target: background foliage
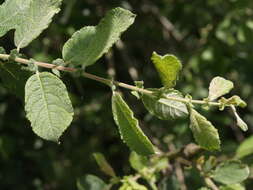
[(211, 38)]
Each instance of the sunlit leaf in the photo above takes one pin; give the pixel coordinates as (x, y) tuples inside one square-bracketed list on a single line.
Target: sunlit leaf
[(168, 67), (28, 17), (87, 45), (240, 123), (129, 183), (129, 128), (47, 105), (232, 187), (138, 162), (219, 87)]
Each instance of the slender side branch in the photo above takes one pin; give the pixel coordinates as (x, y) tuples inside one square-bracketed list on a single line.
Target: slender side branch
[(103, 80), (210, 184)]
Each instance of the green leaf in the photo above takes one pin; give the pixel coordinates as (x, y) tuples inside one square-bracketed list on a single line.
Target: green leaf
[(231, 172), (138, 162), (163, 108), (87, 45), (245, 148), (28, 17), (129, 183), (47, 105), (240, 123), (129, 128), (232, 187), (2, 50), (204, 132), (90, 182), (14, 78), (219, 87), (168, 67), (103, 164)]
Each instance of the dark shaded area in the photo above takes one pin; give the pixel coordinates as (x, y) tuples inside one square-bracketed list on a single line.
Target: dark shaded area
[(212, 38)]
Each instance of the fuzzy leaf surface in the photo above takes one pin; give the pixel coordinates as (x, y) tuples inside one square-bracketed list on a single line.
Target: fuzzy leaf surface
[(219, 87), (129, 128), (168, 67), (231, 172), (47, 105), (204, 132), (163, 108), (87, 45), (28, 17)]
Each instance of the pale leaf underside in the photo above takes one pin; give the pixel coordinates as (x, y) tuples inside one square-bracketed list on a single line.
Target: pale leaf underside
[(28, 17), (219, 87), (47, 105), (163, 108)]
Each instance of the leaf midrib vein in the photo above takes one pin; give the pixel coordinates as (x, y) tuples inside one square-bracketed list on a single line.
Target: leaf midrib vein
[(44, 99)]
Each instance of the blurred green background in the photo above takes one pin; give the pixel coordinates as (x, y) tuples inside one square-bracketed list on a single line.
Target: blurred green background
[(211, 38)]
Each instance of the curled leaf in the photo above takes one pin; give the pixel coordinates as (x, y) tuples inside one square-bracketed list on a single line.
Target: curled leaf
[(240, 123)]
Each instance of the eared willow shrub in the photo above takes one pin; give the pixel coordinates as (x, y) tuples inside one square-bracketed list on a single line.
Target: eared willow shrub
[(50, 112)]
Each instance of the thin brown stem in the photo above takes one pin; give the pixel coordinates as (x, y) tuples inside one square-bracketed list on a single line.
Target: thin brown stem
[(105, 81)]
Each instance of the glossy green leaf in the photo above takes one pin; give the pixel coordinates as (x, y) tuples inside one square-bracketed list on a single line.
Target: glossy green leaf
[(28, 17), (14, 78), (87, 45), (168, 67), (90, 182), (47, 105), (138, 162), (163, 108), (231, 172), (245, 148), (219, 87), (129, 128), (204, 132), (232, 187), (103, 164)]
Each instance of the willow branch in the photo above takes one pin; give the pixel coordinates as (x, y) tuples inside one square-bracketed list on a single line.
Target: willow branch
[(104, 80)]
